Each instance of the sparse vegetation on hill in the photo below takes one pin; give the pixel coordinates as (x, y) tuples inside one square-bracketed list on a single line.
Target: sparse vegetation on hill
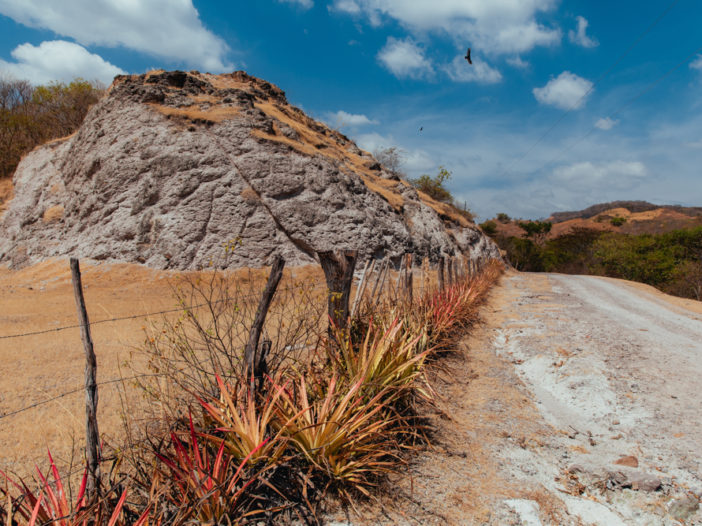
[(631, 206), (30, 116)]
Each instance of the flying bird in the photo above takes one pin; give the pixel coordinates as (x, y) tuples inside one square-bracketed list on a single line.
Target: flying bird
[(421, 129), (467, 57)]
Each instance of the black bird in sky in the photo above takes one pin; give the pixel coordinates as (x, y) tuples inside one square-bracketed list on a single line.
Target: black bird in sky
[(467, 57), (421, 129)]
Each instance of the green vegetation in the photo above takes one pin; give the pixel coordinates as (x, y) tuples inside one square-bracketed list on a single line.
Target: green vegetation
[(671, 262), (30, 116), (434, 186), (503, 218), (617, 221), (536, 230), (489, 227)]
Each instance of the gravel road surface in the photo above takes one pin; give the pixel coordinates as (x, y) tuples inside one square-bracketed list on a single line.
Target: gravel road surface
[(577, 401)]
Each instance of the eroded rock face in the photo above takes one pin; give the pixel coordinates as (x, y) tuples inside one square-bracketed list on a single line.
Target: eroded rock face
[(171, 168)]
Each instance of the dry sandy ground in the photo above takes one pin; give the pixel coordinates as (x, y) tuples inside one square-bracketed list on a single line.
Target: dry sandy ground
[(40, 367), (566, 376)]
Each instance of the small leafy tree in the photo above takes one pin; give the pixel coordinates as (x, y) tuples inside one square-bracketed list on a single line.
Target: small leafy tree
[(617, 221), (489, 227), (503, 218), (434, 186), (536, 230)]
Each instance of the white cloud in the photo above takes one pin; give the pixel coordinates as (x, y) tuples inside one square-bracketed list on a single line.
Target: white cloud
[(697, 145), (58, 60), (373, 141), (567, 91), (305, 4), (169, 29), (579, 36), (345, 6), (517, 62), (460, 71), (606, 123), (587, 175), (697, 63), (493, 26), (342, 118), (404, 58)]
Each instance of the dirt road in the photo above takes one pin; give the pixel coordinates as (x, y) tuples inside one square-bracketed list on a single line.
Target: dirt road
[(567, 376)]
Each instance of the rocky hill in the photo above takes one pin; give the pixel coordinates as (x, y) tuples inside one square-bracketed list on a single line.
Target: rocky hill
[(175, 169)]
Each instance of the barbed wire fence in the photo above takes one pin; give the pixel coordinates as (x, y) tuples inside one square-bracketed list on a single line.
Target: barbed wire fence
[(372, 282)]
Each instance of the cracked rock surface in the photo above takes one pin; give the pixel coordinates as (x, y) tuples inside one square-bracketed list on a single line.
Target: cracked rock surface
[(170, 168)]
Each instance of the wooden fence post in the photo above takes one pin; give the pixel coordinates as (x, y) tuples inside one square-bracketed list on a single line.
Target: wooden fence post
[(338, 270), (92, 434), (251, 364), (408, 278), (441, 273), (367, 271), (380, 282), (449, 275)]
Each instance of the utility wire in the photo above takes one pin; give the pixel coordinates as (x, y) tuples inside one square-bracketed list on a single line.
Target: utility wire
[(74, 391), (144, 315), (599, 79)]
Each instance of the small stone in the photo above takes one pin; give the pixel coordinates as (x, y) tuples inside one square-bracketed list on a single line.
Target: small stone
[(628, 460), (643, 482)]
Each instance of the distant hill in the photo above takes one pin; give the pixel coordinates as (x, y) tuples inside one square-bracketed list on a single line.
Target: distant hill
[(625, 217), (631, 206)]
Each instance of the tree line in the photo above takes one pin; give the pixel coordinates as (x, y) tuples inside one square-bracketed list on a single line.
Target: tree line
[(32, 115), (671, 262)]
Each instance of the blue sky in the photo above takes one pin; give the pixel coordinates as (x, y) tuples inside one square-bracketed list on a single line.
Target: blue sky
[(530, 128)]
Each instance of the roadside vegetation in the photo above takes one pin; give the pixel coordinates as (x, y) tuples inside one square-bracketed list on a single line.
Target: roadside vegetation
[(32, 115), (671, 262), (337, 410)]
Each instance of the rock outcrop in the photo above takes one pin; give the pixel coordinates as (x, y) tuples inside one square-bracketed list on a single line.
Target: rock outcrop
[(176, 169)]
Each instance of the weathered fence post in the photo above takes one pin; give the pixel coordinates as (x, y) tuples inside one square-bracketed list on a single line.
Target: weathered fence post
[(338, 270), (252, 366), (92, 435), (408, 278), (449, 274), (441, 273), (380, 282), (367, 270)]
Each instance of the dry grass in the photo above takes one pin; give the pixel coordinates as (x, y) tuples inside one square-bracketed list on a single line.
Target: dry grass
[(195, 113), (338, 423), (53, 214), (7, 192)]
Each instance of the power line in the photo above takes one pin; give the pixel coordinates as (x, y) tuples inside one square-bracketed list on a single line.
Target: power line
[(576, 104)]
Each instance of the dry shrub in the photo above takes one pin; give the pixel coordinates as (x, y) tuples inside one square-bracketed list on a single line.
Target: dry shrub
[(185, 356)]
